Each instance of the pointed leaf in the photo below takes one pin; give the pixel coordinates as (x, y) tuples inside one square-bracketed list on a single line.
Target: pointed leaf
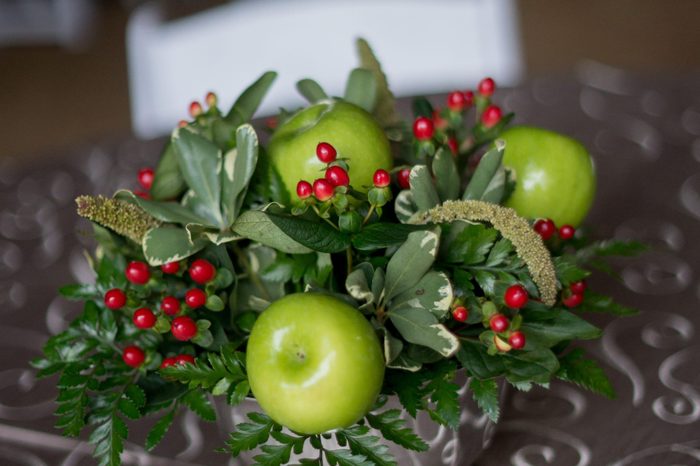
[(566, 326), (383, 235), (485, 393), (169, 244), (432, 293), (248, 102), (411, 261), (239, 165), (361, 89), (170, 212), (393, 428), (159, 429), (168, 182), (311, 90), (385, 108), (585, 373), (199, 403), (346, 458), (258, 226), (316, 235), (424, 194), (484, 173), (422, 328), (446, 175)]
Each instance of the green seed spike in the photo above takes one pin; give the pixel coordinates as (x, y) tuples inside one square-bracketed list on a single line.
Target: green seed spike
[(123, 217), (528, 244)]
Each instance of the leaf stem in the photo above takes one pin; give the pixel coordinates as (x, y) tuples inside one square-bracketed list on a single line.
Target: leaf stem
[(369, 214), (321, 450), (254, 277)]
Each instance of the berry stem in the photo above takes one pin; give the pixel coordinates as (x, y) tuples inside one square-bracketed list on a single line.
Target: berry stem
[(369, 215), (318, 212)]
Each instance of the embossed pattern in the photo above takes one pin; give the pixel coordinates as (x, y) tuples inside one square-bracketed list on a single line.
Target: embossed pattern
[(644, 133)]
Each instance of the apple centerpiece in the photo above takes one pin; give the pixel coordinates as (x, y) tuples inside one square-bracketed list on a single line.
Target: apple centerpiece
[(321, 282), (314, 363)]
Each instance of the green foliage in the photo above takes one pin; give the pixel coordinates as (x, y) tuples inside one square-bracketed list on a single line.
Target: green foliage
[(361, 443), (393, 428), (594, 302), (248, 435), (480, 186), (361, 89), (485, 393), (585, 373), (311, 90)]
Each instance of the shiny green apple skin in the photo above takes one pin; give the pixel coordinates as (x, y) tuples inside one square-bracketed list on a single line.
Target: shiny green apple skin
[(351, 130), (554, 174), (314, 363)]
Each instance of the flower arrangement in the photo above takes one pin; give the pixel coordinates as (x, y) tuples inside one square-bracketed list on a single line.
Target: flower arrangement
[(351, 258)]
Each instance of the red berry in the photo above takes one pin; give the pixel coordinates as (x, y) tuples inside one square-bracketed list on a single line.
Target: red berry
[(545, 228), (137, 272), (491, 116), (184, 359), (171, 267), (498, 323), (170, 305), (381, 178), (271, 122), (438, 121), (325, 152), (460, 314), (573, 300), (517, 340), (337, 176), (323, 190), (167, 362), (486, 87), (182, 123), (144, 318), (195, 109), (183, 328), (404, 178), (423, 128), (578, 287), (133, 356), (202, 271), (195, 298), (515, 296), (211, 99), (452, 144), (456, 101), (304, 189), (142, 194), (145, 178), (468, 98), (115, 299), (566, 232)]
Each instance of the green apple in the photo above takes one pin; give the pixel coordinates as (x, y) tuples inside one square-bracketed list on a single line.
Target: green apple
[(314, 363), (554, 175), (353, 132)]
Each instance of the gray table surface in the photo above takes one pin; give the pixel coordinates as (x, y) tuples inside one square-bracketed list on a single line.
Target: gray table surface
[(644, 133)]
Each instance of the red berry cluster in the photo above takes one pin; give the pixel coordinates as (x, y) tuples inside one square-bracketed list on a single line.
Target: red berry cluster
[(573, 297), (546, 228), (323, 189), (182, 327)]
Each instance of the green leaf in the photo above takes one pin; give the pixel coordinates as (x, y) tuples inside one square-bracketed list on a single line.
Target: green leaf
[(565, 326), (238, 393), (169, 244), (468, 243), (611, 247), (238, 167), (170, 212), (248, 102), (496, 189), (446, 175), (168, 182), (383, 235), (361, 443), (531, 366), (422, 328), (200, 165), (311, 90), (346, 458), (499, 253), (385, 108), (484, 173), (404, 206), (274, 455), (585, 373), (485, 393), (424, 194), (128, 408), (432, 293), (411, 261), (393, 428), (198, 403), (108, 439), (79, 292), (567, 270), (136, 395), (444, 394), (594, 302), (361, 89), (209, 370), (474, 357), (258, 226), (159, 429), (315, 235), (249, 435)]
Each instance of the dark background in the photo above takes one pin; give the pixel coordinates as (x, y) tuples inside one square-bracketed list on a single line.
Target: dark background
[(52, 99)]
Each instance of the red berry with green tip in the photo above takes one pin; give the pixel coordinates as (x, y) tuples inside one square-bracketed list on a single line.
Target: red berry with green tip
[(545, 228), (404, 178), (211, 99), (183, 328), (115, 299), (133, 356), (325, 152), (486, 87), (184, 359), (202, 271), (499, 323), (423, 129), (304, 189), (515, 296), (337, 176), (491, 116), (137, 273), (517, 340), (323, 189), (170, 268), (566, 232), (195, 298), (144, 318), (460, 314), (573, 300), (170, 305), (381, 178), (195, 109), (578, 287), (455, 101), (145, 178)]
